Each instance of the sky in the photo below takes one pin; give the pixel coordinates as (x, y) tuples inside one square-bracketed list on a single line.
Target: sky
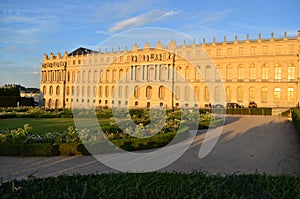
[(28, 29)]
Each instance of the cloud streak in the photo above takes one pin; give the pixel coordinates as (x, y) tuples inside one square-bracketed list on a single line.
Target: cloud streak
[(146, 18)]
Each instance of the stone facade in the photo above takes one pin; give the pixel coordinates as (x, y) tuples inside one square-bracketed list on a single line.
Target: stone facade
[(266, 71)]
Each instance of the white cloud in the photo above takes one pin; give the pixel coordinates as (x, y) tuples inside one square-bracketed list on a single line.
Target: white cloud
[(148, 17)]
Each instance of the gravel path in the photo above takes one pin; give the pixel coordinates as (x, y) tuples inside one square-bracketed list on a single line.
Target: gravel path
[(247, 145)]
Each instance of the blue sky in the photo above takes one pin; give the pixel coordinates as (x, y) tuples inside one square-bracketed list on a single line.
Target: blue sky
[(28, 29)]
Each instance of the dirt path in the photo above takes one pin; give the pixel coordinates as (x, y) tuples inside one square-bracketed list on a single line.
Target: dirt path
[(246, 145)]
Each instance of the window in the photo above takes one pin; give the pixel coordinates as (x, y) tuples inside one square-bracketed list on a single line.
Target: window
[(107, 75), (196, 92), (112, 91), (218, 73), (161, 92), (51, 90), (265, 72), (277, 95), (100, 91), (149, 92), (240, 94), (252, 72), (126, 92), (207, 73), (217, 93), (114, 74), (228, 94), (68, 90), (44, 90), (251, 94), (241, 51), (253, 50), (89, 76), (265, 49), (106, 91), (264, 95), (229, 51), (82, 91), (291, 73), (291, 95), (83, 76), (219, 52), (120, 92), (229, 72), (206, 94), (72, 90), (136, 92), (88, 91), (177, 92), (277, 72), (241, 72), (186, 93)]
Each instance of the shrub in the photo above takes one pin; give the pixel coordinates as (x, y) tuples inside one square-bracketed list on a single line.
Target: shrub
[(39, 149), (9, 149)]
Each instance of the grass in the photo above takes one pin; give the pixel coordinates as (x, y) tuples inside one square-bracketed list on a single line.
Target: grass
[(154, 185), (39, 125)]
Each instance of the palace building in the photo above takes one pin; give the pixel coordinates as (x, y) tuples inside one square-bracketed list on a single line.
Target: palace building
[(266, 71)]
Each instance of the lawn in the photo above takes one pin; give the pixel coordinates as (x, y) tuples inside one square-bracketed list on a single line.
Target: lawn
[(39, 125)]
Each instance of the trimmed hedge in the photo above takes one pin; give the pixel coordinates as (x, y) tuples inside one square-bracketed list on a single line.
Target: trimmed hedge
[(239, 111), (154, 185), (296, 119)]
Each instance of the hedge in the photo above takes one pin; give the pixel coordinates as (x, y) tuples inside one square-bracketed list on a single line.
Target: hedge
[(296, 119), (154, 185)]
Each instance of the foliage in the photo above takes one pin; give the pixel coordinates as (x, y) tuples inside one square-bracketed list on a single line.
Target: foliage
[(154, 185), (296, 119)]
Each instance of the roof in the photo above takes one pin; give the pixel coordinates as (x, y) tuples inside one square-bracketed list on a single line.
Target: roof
[(81, 51)]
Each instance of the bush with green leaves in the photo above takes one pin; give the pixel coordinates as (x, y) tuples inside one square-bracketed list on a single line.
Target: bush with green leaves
[(154, 185)]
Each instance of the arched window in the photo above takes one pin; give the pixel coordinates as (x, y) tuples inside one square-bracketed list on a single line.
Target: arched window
[(206, 94), (69, 77), (94, 91), (114, 75), (83, 76), (126, 92), (252, 94), (161, 92), (112, 91), (228, 94), (78, 76), (217, 93), (89, 76), (240, 94), (44, 90), (291, 95), (73, 76), (139, 73), (151, 75), (100, 92), (177, 92), (136, 92), (121, 74), (207, 73), (72, 90), (88, 91), (120, 92), (196, 93), (95, 78), (51, 90), (57, 90), (106, 91), (198, 73), (148, 92), (107, 78), (68, 90), (82, 91), (264, 95), (186, 93), (50, 103), (277, 95), (56, 104), (77, 91)]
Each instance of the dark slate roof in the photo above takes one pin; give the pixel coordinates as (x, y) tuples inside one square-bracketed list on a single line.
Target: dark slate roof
[(81, 51)]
